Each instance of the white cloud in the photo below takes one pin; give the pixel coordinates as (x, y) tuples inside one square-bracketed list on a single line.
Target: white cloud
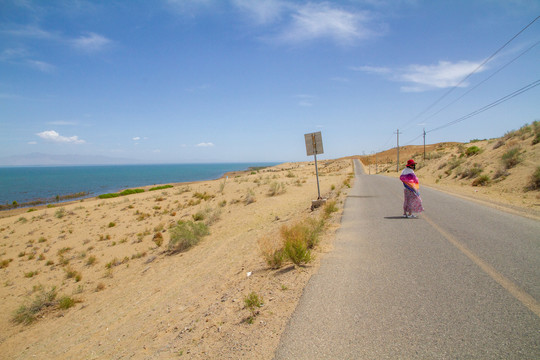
[(262, 11), (372, 69), (32, 143), (205, 144), (41, 65), (442, 75), (60, 122), (30, 31), (312, 21), (91, 42), (136, 138), (51, 135)]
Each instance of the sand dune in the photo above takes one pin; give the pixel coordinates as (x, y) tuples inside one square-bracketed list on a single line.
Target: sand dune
[(132, 298)]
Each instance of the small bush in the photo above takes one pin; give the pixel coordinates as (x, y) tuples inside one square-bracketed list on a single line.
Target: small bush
[(65, 302), (131, 191), (471, 172), (330, 208), (112, 224), (26, 314), (185, 235), (297, 251), (250, 197), (252, 303), (473, 150), (60, 213), (511, 158), (482, 180), (276, 188), (158, 239), (5, 263), (91, 260), (203, 196), (534, 183)]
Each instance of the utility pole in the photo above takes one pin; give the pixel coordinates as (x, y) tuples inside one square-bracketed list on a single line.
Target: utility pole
[(424, 144), (376, 164), (397, 165)]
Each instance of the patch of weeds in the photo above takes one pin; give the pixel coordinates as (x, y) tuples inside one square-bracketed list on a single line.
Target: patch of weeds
[(472, 150), (203, 196), (31, 274), (250, 197), (60, 213), (534, 182), (290, 174), (49, 263), (65, 302), (185, 235), (482, 180), (471, 172), (42, 240), (222, 203), (160, 187), (91, 260), (22, 220), (330, 208), (112, 224), (253, 302), (198, 216), (276, 188), (138, 255), (63, 250), (5, 263), (27, 314), (511, 158)]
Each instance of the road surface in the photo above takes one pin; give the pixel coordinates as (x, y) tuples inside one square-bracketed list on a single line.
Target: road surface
[(460, 282)]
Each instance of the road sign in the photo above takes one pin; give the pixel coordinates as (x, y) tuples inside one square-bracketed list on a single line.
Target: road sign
[(314, 144), (314, 147)]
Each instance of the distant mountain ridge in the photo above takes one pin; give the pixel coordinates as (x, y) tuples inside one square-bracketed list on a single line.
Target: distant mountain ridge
[(40, 159)]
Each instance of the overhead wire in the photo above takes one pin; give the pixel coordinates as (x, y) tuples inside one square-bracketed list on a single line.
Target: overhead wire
[(471, 73)]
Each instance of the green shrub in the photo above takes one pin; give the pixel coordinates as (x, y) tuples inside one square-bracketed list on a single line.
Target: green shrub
[(108, 196), (511, 158), (203, 196), (26, 314), (131, 191), (275, 258), (330, 208), (186, 234), (297, 251), (252, 303), (473, 150), (65, 302), (160, 187), (482, 180)]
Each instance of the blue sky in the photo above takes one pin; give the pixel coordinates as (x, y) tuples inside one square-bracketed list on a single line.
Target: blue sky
[(176, 81)]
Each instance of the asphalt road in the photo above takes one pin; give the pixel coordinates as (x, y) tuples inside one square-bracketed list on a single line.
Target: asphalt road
[(460, 282)]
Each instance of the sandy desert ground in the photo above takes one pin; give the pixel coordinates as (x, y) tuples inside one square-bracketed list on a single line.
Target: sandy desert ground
[(118, 295)]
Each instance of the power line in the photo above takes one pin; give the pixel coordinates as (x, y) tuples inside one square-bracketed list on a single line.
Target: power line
[(470, 74), (489, 77), (489, 106)]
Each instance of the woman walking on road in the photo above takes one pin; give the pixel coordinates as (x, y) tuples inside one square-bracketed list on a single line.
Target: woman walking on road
[(413, 202)]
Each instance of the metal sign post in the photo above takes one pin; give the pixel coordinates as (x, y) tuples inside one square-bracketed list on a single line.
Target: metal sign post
[(314, 146)]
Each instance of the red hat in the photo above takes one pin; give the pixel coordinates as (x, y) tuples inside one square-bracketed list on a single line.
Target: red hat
[(411, 162)]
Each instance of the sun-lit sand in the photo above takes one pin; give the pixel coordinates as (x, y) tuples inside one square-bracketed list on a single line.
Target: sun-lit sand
[(132, 299)]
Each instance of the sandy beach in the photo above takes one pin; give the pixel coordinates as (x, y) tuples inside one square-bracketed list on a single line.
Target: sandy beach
[(133, 299)]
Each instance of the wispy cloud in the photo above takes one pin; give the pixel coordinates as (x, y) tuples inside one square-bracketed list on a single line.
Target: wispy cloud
[(63, 123), (312, 21), (23, 57), (53, 136), (205, 144), (30, 31), (262, 11), (91, 42), (305, 100), (41, 65), (136, 138), (442, 75), (420, 78)]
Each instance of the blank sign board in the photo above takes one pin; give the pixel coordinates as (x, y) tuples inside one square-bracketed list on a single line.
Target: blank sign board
[(314, 143)]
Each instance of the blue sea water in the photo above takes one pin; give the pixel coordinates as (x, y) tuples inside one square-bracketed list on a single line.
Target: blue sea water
[(24, 184)]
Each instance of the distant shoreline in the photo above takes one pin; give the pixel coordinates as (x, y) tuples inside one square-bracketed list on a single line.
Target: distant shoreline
[(40, 203)]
